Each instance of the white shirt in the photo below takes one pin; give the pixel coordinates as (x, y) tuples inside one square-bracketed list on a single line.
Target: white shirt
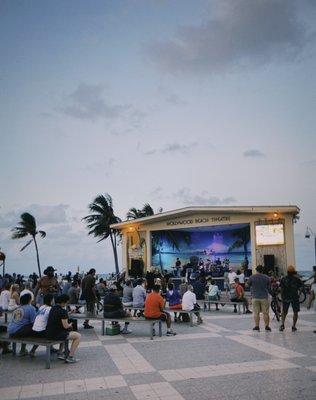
[(241, 278), (41, 319), (213, 290), (231, 277), (4, 299), (188, 300), (27, 291)]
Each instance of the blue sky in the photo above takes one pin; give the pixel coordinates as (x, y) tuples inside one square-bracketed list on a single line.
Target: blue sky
[(171, 103)]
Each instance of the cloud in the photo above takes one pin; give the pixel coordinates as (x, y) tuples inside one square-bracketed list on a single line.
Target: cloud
[(204, 199), (173, 148), (87, 102), (238, 33), (43, 214), (157, 193), (253, 153), (309, 163)]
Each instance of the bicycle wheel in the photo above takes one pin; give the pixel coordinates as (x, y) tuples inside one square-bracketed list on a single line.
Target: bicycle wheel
[(302, 296), (274, 308)]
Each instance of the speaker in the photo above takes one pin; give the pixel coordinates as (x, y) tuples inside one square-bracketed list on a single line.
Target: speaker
[(137, 268), (269, 261)]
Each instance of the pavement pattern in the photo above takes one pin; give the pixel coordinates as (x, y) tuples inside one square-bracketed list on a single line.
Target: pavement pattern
[(220, 359)]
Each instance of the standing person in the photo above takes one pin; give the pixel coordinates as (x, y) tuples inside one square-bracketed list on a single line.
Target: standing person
[(59, 328), (231, 276), (5, 296), (22, 321), (260, 286), (290, 286), (199, 288), (241, 277), (178, 267), (312, 295), (154, 309), (14, 300), (189, 303), (150, 278), (89, 294), (47, 284)]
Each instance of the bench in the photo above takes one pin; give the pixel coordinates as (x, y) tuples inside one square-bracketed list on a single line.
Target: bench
[(207, 304), (169, 310), (151, 322), (48, 343)]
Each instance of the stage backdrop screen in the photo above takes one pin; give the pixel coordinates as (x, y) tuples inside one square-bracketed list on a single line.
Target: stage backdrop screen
[(208, 243), (269, 234)]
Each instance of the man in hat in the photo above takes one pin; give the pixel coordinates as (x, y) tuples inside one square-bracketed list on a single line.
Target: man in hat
[(47, 284), (89, 294)]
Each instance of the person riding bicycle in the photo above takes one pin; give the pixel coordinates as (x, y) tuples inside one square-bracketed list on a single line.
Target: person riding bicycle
[(290, 285)]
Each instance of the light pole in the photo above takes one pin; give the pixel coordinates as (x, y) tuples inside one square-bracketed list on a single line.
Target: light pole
[(308, 234)]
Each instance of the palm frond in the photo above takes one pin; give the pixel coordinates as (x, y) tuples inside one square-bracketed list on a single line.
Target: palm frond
[(147, 210), (27, 244), (42, 234)]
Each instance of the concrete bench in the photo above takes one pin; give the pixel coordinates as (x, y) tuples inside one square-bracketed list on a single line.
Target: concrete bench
[(207, 304), (169, 310), (48, 343), (151, 322)]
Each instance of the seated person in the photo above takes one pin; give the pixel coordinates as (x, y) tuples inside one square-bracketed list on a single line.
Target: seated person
[(183, 287), (40, 322), (22, 321), (113, 307), (139, 295), (59, 328), (189, 303), (154, 309), (174, 298), (127, 299), (213, 292), (238, 295)]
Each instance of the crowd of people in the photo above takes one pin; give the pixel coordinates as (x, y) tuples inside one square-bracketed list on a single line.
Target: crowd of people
[(42, 307)]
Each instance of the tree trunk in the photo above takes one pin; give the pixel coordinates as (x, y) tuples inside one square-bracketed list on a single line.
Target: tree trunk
[(115, 255), (37, 257), (3, 268)]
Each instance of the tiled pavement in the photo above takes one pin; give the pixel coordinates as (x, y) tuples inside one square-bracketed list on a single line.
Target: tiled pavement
[(221, 359)]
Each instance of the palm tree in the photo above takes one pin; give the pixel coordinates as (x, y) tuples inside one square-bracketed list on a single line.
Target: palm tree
[(134, 213), (27, 226), (99, 221), (242, 239)]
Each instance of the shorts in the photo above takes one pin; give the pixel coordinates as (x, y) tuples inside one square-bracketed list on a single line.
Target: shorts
[(295, 305), (24, 331), (163, 316), (260, 305), (62, 335)]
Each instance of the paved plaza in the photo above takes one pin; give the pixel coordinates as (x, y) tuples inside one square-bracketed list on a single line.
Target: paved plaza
[(221, 359)]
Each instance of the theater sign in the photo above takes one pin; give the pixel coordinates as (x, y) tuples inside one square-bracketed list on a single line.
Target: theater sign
[(242, 236)]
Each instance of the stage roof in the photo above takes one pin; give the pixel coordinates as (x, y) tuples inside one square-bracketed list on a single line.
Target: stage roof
[(181, 212)]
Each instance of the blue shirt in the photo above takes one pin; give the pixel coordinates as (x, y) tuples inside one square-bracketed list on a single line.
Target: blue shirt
[(24, 315)]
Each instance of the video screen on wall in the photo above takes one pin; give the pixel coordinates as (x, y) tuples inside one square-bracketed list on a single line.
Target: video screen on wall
[(209, 244), (270, 234)]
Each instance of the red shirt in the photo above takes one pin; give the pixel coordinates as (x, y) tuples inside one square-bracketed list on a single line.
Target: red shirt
[(154, 305), (239, 291)]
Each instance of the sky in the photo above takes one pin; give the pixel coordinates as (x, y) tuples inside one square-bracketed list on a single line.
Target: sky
[(172, 103)]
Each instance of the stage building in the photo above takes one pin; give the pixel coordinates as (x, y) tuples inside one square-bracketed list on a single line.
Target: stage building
[(246, 236)]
